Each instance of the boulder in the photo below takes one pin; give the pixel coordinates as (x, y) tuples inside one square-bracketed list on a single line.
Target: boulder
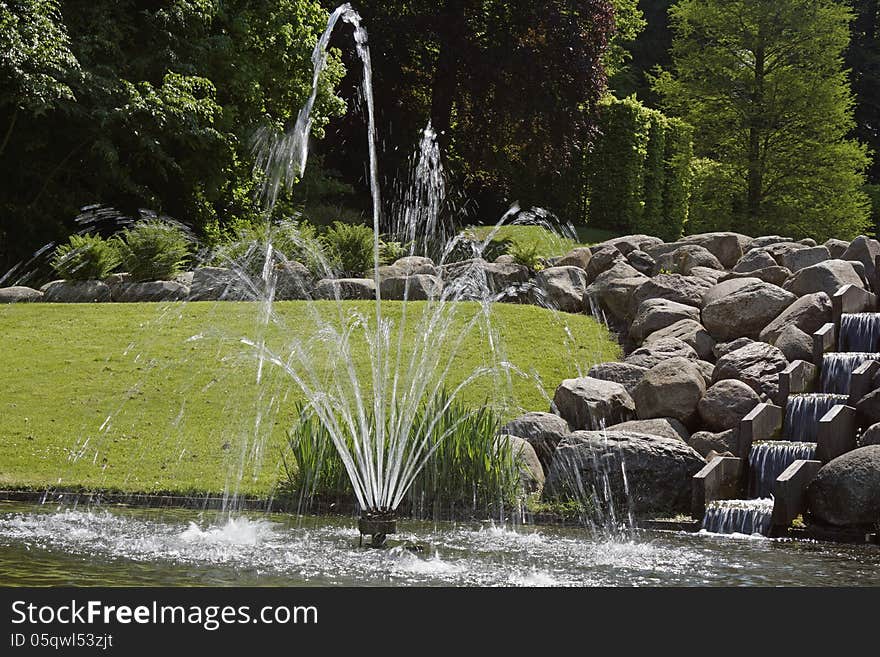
[(685, 258), (753, 260), (711, 276), (727, 247), (660, 350), (775, 274), (614, 289), (19, 294), (473, 278), (602, 260), (505, 259), (563, 288), (672, 388), (641, 262), (216, 284), (756, 364), (797, 259), (531, 470), (410, 265), (726, 403), (724, 289), (293, 281), (628, 243), (345, 288), (417, 287), (836, 248), (781, 250), (746, 311), (705, 442), (809, 241), (665, 427), (846, 490), (626, 374), (767, 240), (707, 369), (579, 257), (688, 290), (75, 292), (827, 277), (658, 470), (543, 431), (655, 314), (809, 314), (689, 331), (588, 403), (795, 344), (870, 436), (152, 291), (722, 348), (864, 249)]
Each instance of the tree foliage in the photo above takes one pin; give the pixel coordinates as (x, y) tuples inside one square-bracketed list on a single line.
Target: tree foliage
[(763, 85), (146, 104)]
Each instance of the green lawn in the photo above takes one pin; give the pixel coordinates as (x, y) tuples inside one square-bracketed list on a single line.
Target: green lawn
[(547, 242), (123, 397)]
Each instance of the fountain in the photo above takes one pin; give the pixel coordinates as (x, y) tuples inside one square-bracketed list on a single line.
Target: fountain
[(859, 332), (767, 460), (838, 366), (803, 412), (738, 516)]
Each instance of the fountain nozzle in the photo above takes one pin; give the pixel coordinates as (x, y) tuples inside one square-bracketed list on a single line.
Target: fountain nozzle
[(377, 524)]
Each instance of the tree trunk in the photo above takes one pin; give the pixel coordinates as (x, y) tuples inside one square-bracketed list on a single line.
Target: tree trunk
[(755, 167), (9, 130)]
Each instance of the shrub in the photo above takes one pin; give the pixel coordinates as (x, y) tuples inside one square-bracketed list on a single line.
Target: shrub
[(85, 257), (391, 252), (349, 248), (527, 254), (154, 250), (470, 469), (244, 244)]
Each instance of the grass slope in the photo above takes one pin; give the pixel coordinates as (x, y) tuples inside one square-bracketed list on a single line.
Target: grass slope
[(124, 397)]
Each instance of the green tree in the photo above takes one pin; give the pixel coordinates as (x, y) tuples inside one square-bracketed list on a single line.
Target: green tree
[(764, 86), (863, 60)]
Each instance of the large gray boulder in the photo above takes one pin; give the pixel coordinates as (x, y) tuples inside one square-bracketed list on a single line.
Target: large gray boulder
[(665, 427), (345, 288), (757, 364), (531, 471), (75, 292), (722, 348), (704, 442), (588, 403), (797, 259), (658, 470), (411, 265), (563, 288), (641, 262), (846, 490), (726, 403), (579, 257), (688, 290), (711, 276), (216, 284), (628, 243), (773, 274), (836, 248), (725, 288), (754, 260), (726, 246), (827, 277), (809, 314), (417, 287), (745, 312), (602, 260), (543, 431), (870, 436), (655, 314), (614, 289), (660, 350), (868, 407), (782, 250), (152, 291), (673, 389), (475, 277), (767, 240), (794, 344), (864, 249), (685, 258), (626, 374), (19, 294), (689, 331)]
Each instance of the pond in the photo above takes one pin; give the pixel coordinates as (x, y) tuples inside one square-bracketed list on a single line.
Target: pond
[(118, 546)]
